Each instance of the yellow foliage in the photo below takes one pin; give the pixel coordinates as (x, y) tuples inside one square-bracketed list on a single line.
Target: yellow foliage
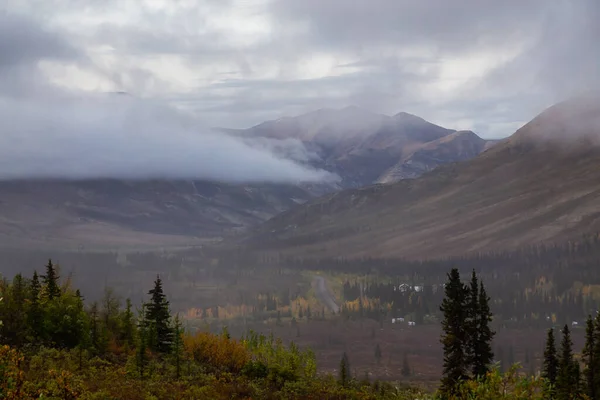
[(217, 352), (11, 374)]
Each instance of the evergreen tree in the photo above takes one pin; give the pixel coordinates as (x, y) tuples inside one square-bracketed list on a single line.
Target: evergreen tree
[(158, 319), (550, 368), (141, 357), (596, 356), (344, 370), (378, 353), (127, 326), (454, 334), (35, 313), (405, 366), (567, 379), (50, 280), (482, 355), (472, 322), (177, 345), (589, 358)]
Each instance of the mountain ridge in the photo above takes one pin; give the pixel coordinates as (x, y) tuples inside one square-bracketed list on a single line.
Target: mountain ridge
[(529, 188)]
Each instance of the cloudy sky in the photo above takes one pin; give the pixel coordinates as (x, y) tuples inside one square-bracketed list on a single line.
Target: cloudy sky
[(484, 65)]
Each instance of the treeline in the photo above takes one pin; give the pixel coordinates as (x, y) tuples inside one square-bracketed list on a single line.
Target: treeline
[(54, 345)]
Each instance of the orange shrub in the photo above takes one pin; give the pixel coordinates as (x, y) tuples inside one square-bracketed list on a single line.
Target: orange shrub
[(11, 374), (216, 352)]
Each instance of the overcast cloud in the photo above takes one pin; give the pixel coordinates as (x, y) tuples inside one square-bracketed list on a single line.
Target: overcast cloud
[(484, 65)]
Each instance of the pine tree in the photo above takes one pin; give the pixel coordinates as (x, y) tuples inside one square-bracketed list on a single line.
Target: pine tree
[(35, 313), (158, 319), (567, 379), (177, 344), (454, 334), (127, 326), (471, 323), (596, 355), (344, 370), (589, 359), (50, 280), (482, 355), (405, 366), (378, 353), (141, 358), (550, 368)]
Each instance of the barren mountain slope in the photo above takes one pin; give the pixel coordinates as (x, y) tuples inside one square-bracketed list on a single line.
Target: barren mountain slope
[(364, 147), (542, 184)]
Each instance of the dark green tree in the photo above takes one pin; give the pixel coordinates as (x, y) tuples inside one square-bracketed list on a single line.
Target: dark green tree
[(158, 319), (177, 345), (35, 313), (588, 355), (378, 353), (141, 356), (127, 326), (50, 281), (405, 366), (344, 370), (550, 368), (567, 379), (454, 336), (472, 322), (482, 355)]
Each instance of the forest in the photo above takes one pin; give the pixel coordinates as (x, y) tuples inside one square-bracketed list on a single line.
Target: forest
[(57, 345)]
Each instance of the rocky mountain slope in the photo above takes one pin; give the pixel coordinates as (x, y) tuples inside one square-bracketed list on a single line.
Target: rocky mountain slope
[(540, 185), (358, 145), (365, 148)]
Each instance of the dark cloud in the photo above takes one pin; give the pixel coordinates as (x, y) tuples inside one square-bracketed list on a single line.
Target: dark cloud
[(485, 65)]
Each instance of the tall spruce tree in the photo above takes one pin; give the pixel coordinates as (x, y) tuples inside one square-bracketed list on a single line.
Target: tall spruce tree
[(550, 368), (482, 353), (50, 280), (35, 313), (454, 336), (471, 321), (588, 355), (596, 356), (158, 317), (567, 379), (344, 370)]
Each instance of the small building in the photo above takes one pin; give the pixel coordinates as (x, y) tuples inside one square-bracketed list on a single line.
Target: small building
[(411, 323)]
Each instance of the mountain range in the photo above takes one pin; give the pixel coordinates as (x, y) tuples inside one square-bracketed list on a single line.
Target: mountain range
[(540, 185), (361, 147)]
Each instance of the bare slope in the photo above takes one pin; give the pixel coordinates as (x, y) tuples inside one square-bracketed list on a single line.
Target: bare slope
[(542, 184)]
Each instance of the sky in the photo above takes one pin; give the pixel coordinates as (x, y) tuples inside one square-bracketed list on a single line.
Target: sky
[(485, 65)]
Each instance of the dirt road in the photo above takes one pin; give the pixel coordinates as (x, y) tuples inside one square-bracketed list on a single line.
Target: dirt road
[(324, 295)]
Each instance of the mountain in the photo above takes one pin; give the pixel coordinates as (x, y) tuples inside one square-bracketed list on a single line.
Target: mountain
[(105, 213), (364, 148), (113, 213), (540, 185)]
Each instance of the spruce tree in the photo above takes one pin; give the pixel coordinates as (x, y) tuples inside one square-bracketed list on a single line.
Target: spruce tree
[(158, 318), (596, 356), (550, 368), (405, 366), (483, 355), (35, 313), (50, 281), (589, 359), (378, 353), (567, 379), (344, 370), (472, 322), (177, 345), (454, 334)]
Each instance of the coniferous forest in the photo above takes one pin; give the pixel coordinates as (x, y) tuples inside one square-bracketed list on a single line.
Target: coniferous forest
[(56, 344)]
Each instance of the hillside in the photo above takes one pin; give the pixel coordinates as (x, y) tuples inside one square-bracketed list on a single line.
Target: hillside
[(540, 185), (109, 213), (117, 213), (365, 148)]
